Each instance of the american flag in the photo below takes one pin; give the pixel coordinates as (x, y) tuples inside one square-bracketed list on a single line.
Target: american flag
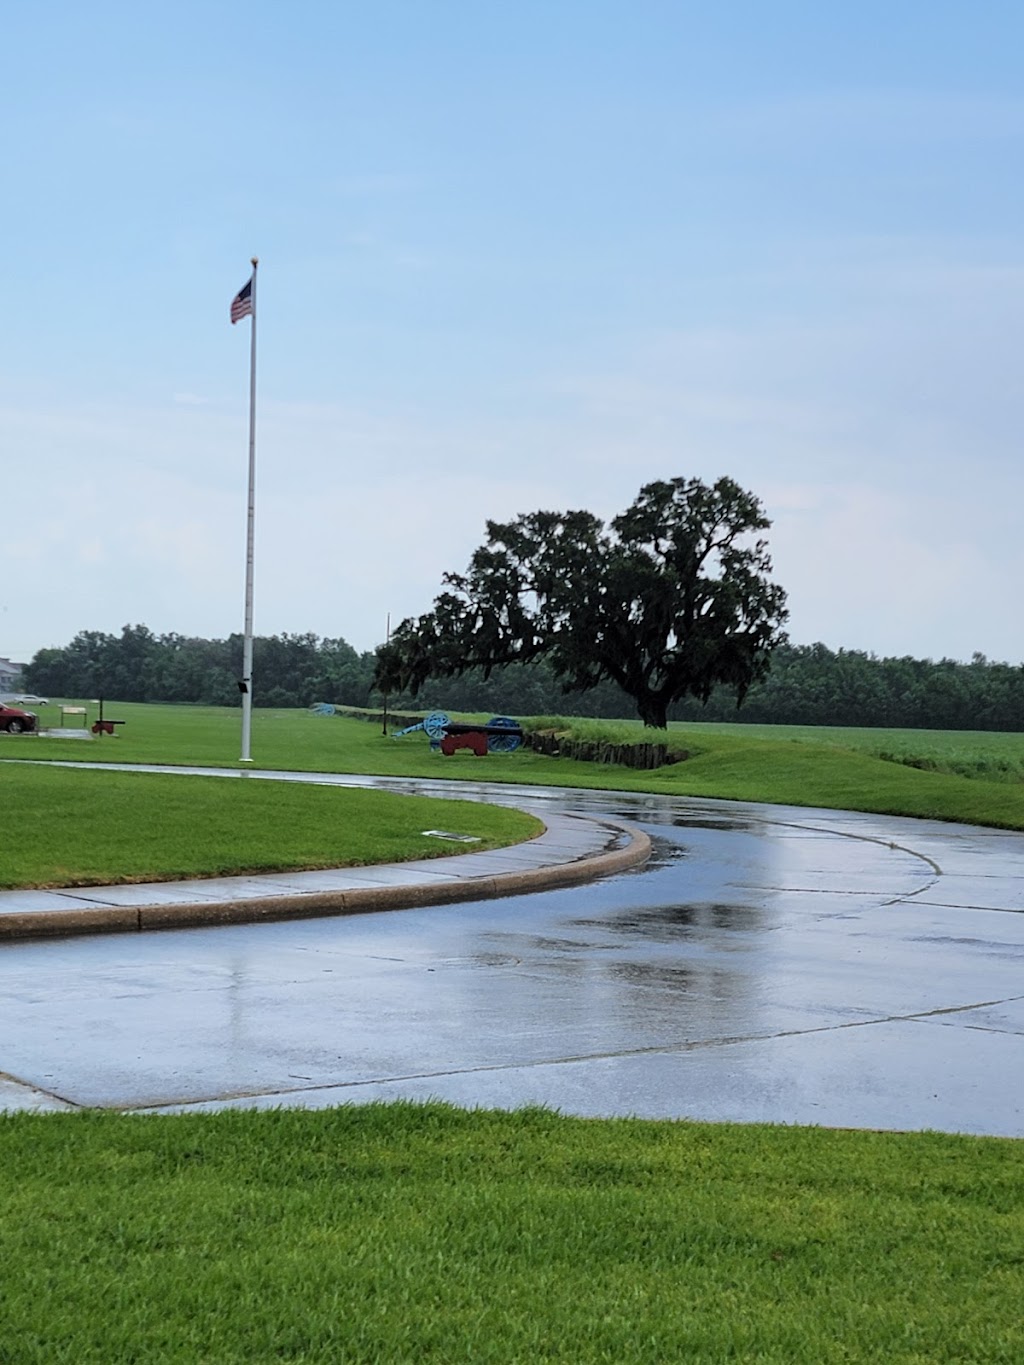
[(241, 304)]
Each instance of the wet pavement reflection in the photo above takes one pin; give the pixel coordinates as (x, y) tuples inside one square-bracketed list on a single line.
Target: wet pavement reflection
[(769, 963)]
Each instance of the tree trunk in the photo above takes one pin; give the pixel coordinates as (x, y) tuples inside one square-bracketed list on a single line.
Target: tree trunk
[(652, 710)]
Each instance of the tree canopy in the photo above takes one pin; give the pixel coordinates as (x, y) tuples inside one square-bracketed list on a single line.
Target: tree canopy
[(670, 600)]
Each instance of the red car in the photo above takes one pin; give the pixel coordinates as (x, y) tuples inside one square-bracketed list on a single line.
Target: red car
[(14, 720)]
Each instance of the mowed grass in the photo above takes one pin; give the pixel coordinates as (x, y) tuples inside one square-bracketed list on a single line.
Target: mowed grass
[(405, 1233), (985, 754), (83, 827), (800, 773), (972, 777), (833, 768), (992, 757)]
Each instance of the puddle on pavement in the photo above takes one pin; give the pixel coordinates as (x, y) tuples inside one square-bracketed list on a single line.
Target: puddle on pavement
[(476, 960), (682, 980), (663, 923), (1004, 950), (575, 946), (662, 855), (706, 822), (703, 983), (660, 817)]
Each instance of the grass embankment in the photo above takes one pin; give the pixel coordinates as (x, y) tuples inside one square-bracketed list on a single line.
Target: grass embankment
[(973, 777), (982, 754), (801, 773), (81, 827), (402, 1233), (840, 769)]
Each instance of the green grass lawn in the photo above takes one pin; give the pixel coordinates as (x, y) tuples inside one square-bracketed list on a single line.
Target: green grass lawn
[(405, 1233), (82, 827), (840, 769), (981, 754), (801, 773)]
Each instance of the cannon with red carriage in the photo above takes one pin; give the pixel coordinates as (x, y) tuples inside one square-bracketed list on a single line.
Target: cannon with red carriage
[(499, 735)]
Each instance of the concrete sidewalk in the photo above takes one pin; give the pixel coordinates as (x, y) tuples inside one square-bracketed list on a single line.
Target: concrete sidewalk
[(573, 848)]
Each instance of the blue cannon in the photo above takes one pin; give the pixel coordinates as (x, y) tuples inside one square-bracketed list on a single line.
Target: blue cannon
[(500, 735)]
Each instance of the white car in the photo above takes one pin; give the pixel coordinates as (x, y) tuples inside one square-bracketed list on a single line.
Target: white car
[(28, 699)]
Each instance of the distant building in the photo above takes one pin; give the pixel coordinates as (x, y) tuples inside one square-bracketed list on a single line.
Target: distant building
[(10, 675)]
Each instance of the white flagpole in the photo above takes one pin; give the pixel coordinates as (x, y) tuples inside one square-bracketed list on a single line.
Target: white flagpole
[(250, 525)]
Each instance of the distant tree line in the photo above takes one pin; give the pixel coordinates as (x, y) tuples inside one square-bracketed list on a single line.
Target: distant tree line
[(807, 685), (814, 685), (288, 670)]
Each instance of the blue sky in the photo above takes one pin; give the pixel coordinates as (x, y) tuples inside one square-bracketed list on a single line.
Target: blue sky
[(512, 257)]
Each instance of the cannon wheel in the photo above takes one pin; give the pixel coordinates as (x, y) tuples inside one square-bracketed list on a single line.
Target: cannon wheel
[(503, 744), (435, 725)]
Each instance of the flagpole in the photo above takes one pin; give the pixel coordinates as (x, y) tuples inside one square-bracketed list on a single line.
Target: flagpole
[(250, 526)]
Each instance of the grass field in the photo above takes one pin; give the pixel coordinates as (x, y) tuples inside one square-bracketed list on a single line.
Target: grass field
[(966, 753), (834, 768), (401, 1234), (80, 827)]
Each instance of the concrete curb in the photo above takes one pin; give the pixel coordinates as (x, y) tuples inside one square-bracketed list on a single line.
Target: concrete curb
[(106, 919)]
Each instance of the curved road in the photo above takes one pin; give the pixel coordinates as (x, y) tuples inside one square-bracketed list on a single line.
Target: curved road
[(769, 964)]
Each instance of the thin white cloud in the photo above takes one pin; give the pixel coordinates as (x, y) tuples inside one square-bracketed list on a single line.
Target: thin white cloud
[(889, 573)]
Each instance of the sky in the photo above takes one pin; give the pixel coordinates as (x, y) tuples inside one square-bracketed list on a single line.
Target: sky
[(512, 257)]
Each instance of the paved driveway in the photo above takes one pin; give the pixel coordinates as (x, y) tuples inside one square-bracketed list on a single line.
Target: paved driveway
[(769, 963)]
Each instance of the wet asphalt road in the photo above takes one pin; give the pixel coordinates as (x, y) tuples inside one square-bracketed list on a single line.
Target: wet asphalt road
[(769, 964)]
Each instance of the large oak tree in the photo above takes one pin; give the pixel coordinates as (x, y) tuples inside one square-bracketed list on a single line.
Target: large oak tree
[(670, 600)]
